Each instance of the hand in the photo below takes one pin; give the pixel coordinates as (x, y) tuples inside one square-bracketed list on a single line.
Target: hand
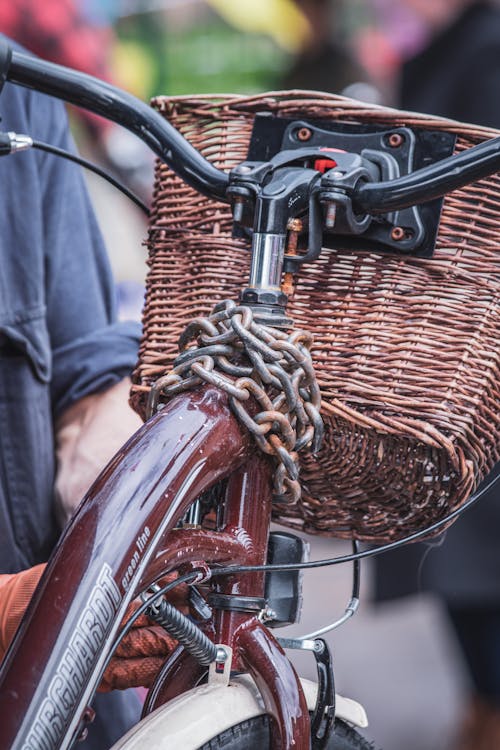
[(88, 434), (142, 652), (139, 655)]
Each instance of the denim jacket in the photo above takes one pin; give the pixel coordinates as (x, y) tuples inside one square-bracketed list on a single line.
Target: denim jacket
[(59, 339)]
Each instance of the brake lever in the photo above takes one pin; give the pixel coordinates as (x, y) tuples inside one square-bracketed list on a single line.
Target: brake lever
[(323, 717)]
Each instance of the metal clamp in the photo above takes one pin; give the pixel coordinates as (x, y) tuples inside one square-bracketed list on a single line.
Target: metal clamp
[(219, 671), (250, 604)]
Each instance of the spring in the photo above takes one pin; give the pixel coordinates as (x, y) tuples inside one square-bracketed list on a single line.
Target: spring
[(183, 630)]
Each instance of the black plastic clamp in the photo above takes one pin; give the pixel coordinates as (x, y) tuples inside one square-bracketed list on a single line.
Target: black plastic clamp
[(237, 603)]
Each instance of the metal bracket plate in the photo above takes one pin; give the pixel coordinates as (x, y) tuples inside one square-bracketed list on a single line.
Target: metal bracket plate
[(219, 672), (397, 151)]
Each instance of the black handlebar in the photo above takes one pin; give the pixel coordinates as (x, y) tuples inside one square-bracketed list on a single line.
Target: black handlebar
[(429, 182), (118, 106), (169, 145)]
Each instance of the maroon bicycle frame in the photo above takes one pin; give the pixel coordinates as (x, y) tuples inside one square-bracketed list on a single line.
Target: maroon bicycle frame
[(123, 538)]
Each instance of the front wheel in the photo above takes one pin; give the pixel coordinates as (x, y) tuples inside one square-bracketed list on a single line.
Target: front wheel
[(233, 717), (254, 733)]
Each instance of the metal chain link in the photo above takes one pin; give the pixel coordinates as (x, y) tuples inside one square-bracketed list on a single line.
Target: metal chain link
[(243, 358)]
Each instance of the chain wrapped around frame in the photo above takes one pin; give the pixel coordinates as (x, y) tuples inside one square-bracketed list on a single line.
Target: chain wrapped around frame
[(244, 358)]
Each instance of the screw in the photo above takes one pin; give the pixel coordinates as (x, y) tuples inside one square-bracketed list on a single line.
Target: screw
[(238, 209), (221, 655), (397, 234), (304, 134), (243, 169), (395, 140), (331, 214)]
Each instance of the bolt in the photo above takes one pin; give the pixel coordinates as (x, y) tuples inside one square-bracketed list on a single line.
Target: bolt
[(267, 614), (238, 209), (304, 134), (395, 140), (221, 655), (242, 169), (294, 225), (331, 214), (398, 234)]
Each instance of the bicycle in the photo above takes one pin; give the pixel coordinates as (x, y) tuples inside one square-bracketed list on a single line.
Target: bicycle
[(190, 477)]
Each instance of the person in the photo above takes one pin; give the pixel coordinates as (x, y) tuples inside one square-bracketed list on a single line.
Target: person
[(80, 34), (137, 659), (456, 74), (325, 63), (64, 366)]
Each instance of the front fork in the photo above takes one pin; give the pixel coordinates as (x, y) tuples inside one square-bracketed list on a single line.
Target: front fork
[(247, 518)]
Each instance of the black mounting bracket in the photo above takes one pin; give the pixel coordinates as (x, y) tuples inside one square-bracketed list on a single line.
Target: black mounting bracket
[(394, 152)]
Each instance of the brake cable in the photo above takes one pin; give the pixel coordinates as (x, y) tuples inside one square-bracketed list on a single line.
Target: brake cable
[(233, 569), (11, 143), (190, 577)]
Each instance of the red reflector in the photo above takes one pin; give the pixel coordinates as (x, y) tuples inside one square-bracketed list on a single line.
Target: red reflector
[(321, 165)]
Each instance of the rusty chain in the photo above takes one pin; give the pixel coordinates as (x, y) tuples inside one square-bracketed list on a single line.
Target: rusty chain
[(231, 351)]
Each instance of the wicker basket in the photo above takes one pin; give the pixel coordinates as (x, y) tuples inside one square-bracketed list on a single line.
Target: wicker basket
[(406, 349)]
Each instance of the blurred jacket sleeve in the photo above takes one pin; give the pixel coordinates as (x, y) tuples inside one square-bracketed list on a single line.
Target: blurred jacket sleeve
[(91, 350)]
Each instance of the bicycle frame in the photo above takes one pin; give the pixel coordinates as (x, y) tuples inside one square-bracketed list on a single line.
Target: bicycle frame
[(124, 536), (56, 661)]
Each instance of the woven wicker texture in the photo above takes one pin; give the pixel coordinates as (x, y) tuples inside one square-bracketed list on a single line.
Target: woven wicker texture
[(406, 349)]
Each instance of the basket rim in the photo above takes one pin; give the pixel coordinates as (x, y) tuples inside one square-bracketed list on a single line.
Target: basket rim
[(306, 96)]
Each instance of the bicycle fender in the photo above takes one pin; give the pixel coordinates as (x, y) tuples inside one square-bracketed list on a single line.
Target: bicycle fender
[(195, 717)]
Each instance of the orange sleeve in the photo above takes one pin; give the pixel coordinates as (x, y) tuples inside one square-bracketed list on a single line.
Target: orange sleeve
[(16, 590)]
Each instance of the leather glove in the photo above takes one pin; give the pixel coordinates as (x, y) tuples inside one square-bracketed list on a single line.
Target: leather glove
[(139, 655)]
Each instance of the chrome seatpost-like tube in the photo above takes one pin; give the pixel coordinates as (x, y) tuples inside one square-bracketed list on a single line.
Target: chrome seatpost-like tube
[(268, 251), (264, 294)]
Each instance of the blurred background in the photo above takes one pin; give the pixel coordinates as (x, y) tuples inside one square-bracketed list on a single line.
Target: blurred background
[(401, 658)]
